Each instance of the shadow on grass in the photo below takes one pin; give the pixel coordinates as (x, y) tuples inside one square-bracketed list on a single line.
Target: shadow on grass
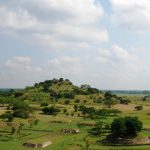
[(37, 130)]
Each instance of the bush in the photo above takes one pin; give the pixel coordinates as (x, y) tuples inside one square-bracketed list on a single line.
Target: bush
[(18, 94), (109, 102), (20, 105), (72, 114), (138, 108), (108, 112), (64, 110), (51, 110), (85, 101), (98, 129), (124, 101), (21, 113), (7, 116), (44, 104), (93, 90), (67, 114), (128, 126), (77, 101), (70, 95), (67, 102), (75, 108), (21, 109)]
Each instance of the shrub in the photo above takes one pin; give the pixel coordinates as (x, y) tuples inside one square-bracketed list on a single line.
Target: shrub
[(109, 102), (18, 94), (7, 116), (75, 108), (72, 114), (67, 114), (124, 101), (98, 129), (85, 101), (70, 95), (77, 101), (138, 108), (66, 102), (51, 110), (79, 115), (128, 126), (44, 104), (108, 112), (64, 110), (21, 113), (93, 90), (21, 109)]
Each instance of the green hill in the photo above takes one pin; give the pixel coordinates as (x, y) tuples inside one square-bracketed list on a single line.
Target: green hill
[(56, 89)]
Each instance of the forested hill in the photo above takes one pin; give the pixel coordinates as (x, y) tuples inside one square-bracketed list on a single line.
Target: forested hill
[(53, 90)]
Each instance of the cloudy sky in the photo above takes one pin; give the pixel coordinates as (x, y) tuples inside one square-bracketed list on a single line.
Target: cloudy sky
[(104, 43)]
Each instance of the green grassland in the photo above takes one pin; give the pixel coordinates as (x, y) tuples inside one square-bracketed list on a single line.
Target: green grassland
[(48, 130)]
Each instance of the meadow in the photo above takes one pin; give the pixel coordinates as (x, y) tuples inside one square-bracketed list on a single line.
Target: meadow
[(49, 126)]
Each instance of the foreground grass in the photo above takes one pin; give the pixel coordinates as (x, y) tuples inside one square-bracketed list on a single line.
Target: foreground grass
[(48, 131)]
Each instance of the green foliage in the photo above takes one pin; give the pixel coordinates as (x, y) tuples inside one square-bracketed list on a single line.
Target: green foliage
[(87, 143), (109, 102), (128, 126), (124, 101), (64, 110), (52, 110), (108, 95), (21, 113), (44, 104), (77, 101), (18, 94), (108, 112), (138, 108), (66, 102), (75, 108), (96, 113), (7, 93), (98, 129), (8, 116), (18, 104), (21, 109)]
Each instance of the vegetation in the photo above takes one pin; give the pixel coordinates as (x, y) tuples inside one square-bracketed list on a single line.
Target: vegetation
[(52, 110), (39, 113), (21, 109), (123, 127)]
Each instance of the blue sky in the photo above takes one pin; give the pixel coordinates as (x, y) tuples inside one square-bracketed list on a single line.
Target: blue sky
[(104, 43)]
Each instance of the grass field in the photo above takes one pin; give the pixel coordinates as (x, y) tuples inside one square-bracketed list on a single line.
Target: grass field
[(48, 130)]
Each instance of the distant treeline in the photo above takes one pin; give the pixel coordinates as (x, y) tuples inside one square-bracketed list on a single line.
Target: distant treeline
[(128, 91), (112, 91)]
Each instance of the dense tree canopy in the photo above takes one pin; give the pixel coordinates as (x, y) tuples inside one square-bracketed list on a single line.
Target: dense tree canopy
[(128, 126)]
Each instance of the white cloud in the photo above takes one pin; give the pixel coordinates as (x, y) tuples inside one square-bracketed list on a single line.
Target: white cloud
[(67, 65), (122, 54), (19, 19), (104, 56), (19, 72), (116, 54), (22, 64), (132, 14), (53, 23)]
